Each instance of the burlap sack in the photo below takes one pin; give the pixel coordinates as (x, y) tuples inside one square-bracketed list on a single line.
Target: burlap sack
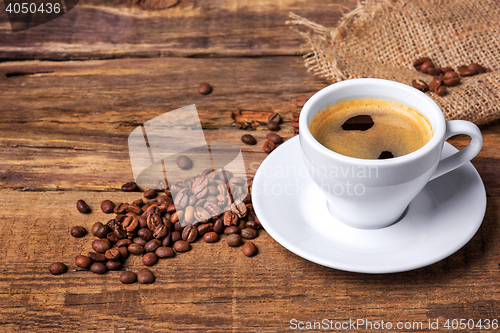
[(382, 38)]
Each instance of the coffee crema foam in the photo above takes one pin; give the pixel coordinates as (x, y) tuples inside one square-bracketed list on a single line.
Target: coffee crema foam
[(397, 128)]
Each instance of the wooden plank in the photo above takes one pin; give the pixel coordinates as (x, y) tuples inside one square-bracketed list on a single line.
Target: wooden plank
[(193, 28), (68, 128), (215, 288)]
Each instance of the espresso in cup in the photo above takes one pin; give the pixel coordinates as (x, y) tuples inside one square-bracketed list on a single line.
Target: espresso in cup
[(370, 128)]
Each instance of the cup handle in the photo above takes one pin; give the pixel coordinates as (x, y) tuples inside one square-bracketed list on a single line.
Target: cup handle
[(454, 127)]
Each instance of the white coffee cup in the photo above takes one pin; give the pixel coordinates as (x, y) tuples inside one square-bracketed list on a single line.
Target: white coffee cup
[(373, 194)]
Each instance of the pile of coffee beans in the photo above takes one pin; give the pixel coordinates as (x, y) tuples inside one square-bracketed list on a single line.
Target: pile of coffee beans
[(443, 76), (212, 205)]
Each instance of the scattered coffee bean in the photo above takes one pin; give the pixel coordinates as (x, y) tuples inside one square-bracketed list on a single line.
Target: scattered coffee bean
[(268, 146), (252, 224), (145, 234), (420, 85), (124, 242), (135, 249), (385, 155), (426, 65), (78, 231), (101, 245), (249, 249), (358, 123), (175, 236), (123, 252), (204, 88), (94, 256), (249, 233), (164, 252), (184, 162), (219, 226), (128, 277), (451, 79), (130, 187), (300, 101), (274, 117), (232, 230), (234, 240), (139, 241), (114, 265), (446, 69), (152, 245), (145, 276), (434, 71), (83, 261), (182, 246), (107, 206), (149, 259), (211, 237), (112, 254), (476, 68), (275, 138), (441, 91), (295, 123), (82, 207), (248, 139), (296, 116), (273, 126), (149, 193), (98, 268), (57, 268), (418, 62), (435, 84)]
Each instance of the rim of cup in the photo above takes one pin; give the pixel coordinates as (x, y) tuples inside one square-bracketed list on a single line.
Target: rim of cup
[(438, 125)]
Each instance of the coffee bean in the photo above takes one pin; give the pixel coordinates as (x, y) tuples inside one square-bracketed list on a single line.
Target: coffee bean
[(83, 261), (232, 230), (434, 71), (135, 249), (145, 234), (94, 256), (239, 209), (101, 245), (152, 245), (139, 202), (435, 84), (134, 209), (120, 208), (446, 69), (166, 241), (123, 252), (123, 242), (107, 206), (418, 62), (234, 240), (248, 233), (82, 207), (149, 193), (128, 277), (140, 241), (268, 146), (78, 231), (149, 259), (98, 268), (441, 91), (189, 234), (57, 268), (114, 265), (145, 276), (476, 68), (426, 65), (175, 236), (249, 249), (300, 101), (252, 224), (130, 187), (465, 71), (182, 246), (248, 139), (219, 226), (211, 237), (358, 123), (296, 116), (295, 123), (420, 85), (451, 79), (275, 138), (164, 252), (204, 228), (204, 88), (274, 117), (273, 126), (112, 254)]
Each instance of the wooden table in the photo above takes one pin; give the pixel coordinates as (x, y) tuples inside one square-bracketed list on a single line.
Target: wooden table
[(70, 93)]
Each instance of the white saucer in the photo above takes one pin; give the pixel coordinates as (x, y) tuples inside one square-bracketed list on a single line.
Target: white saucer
[(439, 221)]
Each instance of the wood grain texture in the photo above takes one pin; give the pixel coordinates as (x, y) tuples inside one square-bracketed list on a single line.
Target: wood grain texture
[(192, 28), (63, 137)]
